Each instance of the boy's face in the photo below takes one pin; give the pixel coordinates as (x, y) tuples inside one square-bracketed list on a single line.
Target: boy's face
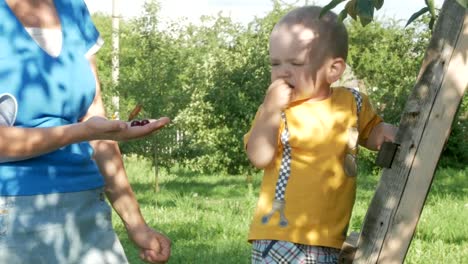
[(297, 57)]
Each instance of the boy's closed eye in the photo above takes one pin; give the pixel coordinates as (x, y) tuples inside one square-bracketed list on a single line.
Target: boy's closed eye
[(274, 63), (294, 63)]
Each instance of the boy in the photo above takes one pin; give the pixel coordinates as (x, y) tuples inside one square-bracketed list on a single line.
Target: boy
[(305, 137)]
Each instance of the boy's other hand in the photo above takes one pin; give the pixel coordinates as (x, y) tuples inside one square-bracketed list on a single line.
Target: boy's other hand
[(383, 132), (278, 96), (389, 133)]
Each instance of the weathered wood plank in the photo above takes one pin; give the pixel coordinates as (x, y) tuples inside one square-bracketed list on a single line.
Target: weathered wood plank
[(425, 124), (349, 249)]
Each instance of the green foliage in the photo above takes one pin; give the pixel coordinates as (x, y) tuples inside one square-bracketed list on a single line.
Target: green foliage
[(456, 150), (431, 7), (386, 59), (364, 9), (350, 9), (417, 14), (463, 3), (104, 23), (330, 6), (211, 78), (378, 3)]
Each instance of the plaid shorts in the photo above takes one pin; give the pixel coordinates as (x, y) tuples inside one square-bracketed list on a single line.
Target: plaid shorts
[(275, 252)]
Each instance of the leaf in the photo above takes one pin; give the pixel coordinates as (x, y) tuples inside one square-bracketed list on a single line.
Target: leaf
[(365, 11), (330, 6), (463, 3), (430, 5), (350, 7), (342, 15), (416, 15), (378, 4), (134, 112)]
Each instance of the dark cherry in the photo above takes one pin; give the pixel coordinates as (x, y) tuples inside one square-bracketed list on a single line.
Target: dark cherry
[(135, 123), (144, 122)]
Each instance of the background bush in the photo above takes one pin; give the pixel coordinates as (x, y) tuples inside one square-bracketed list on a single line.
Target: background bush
[(210, 78)]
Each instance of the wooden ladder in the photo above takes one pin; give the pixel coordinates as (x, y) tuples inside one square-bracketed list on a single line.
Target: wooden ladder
[(424, 128)]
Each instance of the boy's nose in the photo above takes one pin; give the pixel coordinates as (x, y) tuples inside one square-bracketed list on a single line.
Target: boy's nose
[(284, 72)]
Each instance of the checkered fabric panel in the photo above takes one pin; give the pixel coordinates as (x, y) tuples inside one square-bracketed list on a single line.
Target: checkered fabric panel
[(285, 167), (358, 98)]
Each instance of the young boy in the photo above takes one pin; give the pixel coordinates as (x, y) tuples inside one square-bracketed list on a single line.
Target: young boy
[(305, 137)]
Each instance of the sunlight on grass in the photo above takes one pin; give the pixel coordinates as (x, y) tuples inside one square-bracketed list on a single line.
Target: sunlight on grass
[(207, 216)]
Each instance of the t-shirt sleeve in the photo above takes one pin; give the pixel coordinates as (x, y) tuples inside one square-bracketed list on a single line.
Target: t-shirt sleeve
[(368, 119), (95, 48), (89, 32)]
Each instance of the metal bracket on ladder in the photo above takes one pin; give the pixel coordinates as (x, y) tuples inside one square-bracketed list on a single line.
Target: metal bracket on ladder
[(387, 154)]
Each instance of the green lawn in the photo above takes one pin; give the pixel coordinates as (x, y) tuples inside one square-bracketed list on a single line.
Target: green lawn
[(207, 216)]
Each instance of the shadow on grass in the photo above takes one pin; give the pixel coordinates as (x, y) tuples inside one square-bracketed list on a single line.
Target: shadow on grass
[(188, 184), (447, 182)]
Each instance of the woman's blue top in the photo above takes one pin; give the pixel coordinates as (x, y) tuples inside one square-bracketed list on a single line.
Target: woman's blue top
[(51, 91)]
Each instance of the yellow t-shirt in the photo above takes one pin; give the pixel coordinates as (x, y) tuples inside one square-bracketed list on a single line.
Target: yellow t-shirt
[(319, 196)]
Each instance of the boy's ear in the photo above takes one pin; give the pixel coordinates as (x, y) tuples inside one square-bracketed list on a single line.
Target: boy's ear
[(336, 68)]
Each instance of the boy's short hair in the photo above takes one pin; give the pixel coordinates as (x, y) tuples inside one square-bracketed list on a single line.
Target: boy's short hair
[(330, 29)]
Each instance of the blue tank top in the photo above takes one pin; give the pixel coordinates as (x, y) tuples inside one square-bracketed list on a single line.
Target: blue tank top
[(50, 92)]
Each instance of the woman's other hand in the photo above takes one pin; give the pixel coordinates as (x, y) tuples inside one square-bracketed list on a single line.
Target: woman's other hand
[(154, 246)]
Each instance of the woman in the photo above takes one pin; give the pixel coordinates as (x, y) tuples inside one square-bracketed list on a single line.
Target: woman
[(59, 158)]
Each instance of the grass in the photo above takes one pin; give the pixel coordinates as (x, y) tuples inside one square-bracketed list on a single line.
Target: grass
[(207, 216)]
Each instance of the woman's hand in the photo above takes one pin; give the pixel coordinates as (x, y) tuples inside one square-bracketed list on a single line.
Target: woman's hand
[(154, 246), (101, 128)]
